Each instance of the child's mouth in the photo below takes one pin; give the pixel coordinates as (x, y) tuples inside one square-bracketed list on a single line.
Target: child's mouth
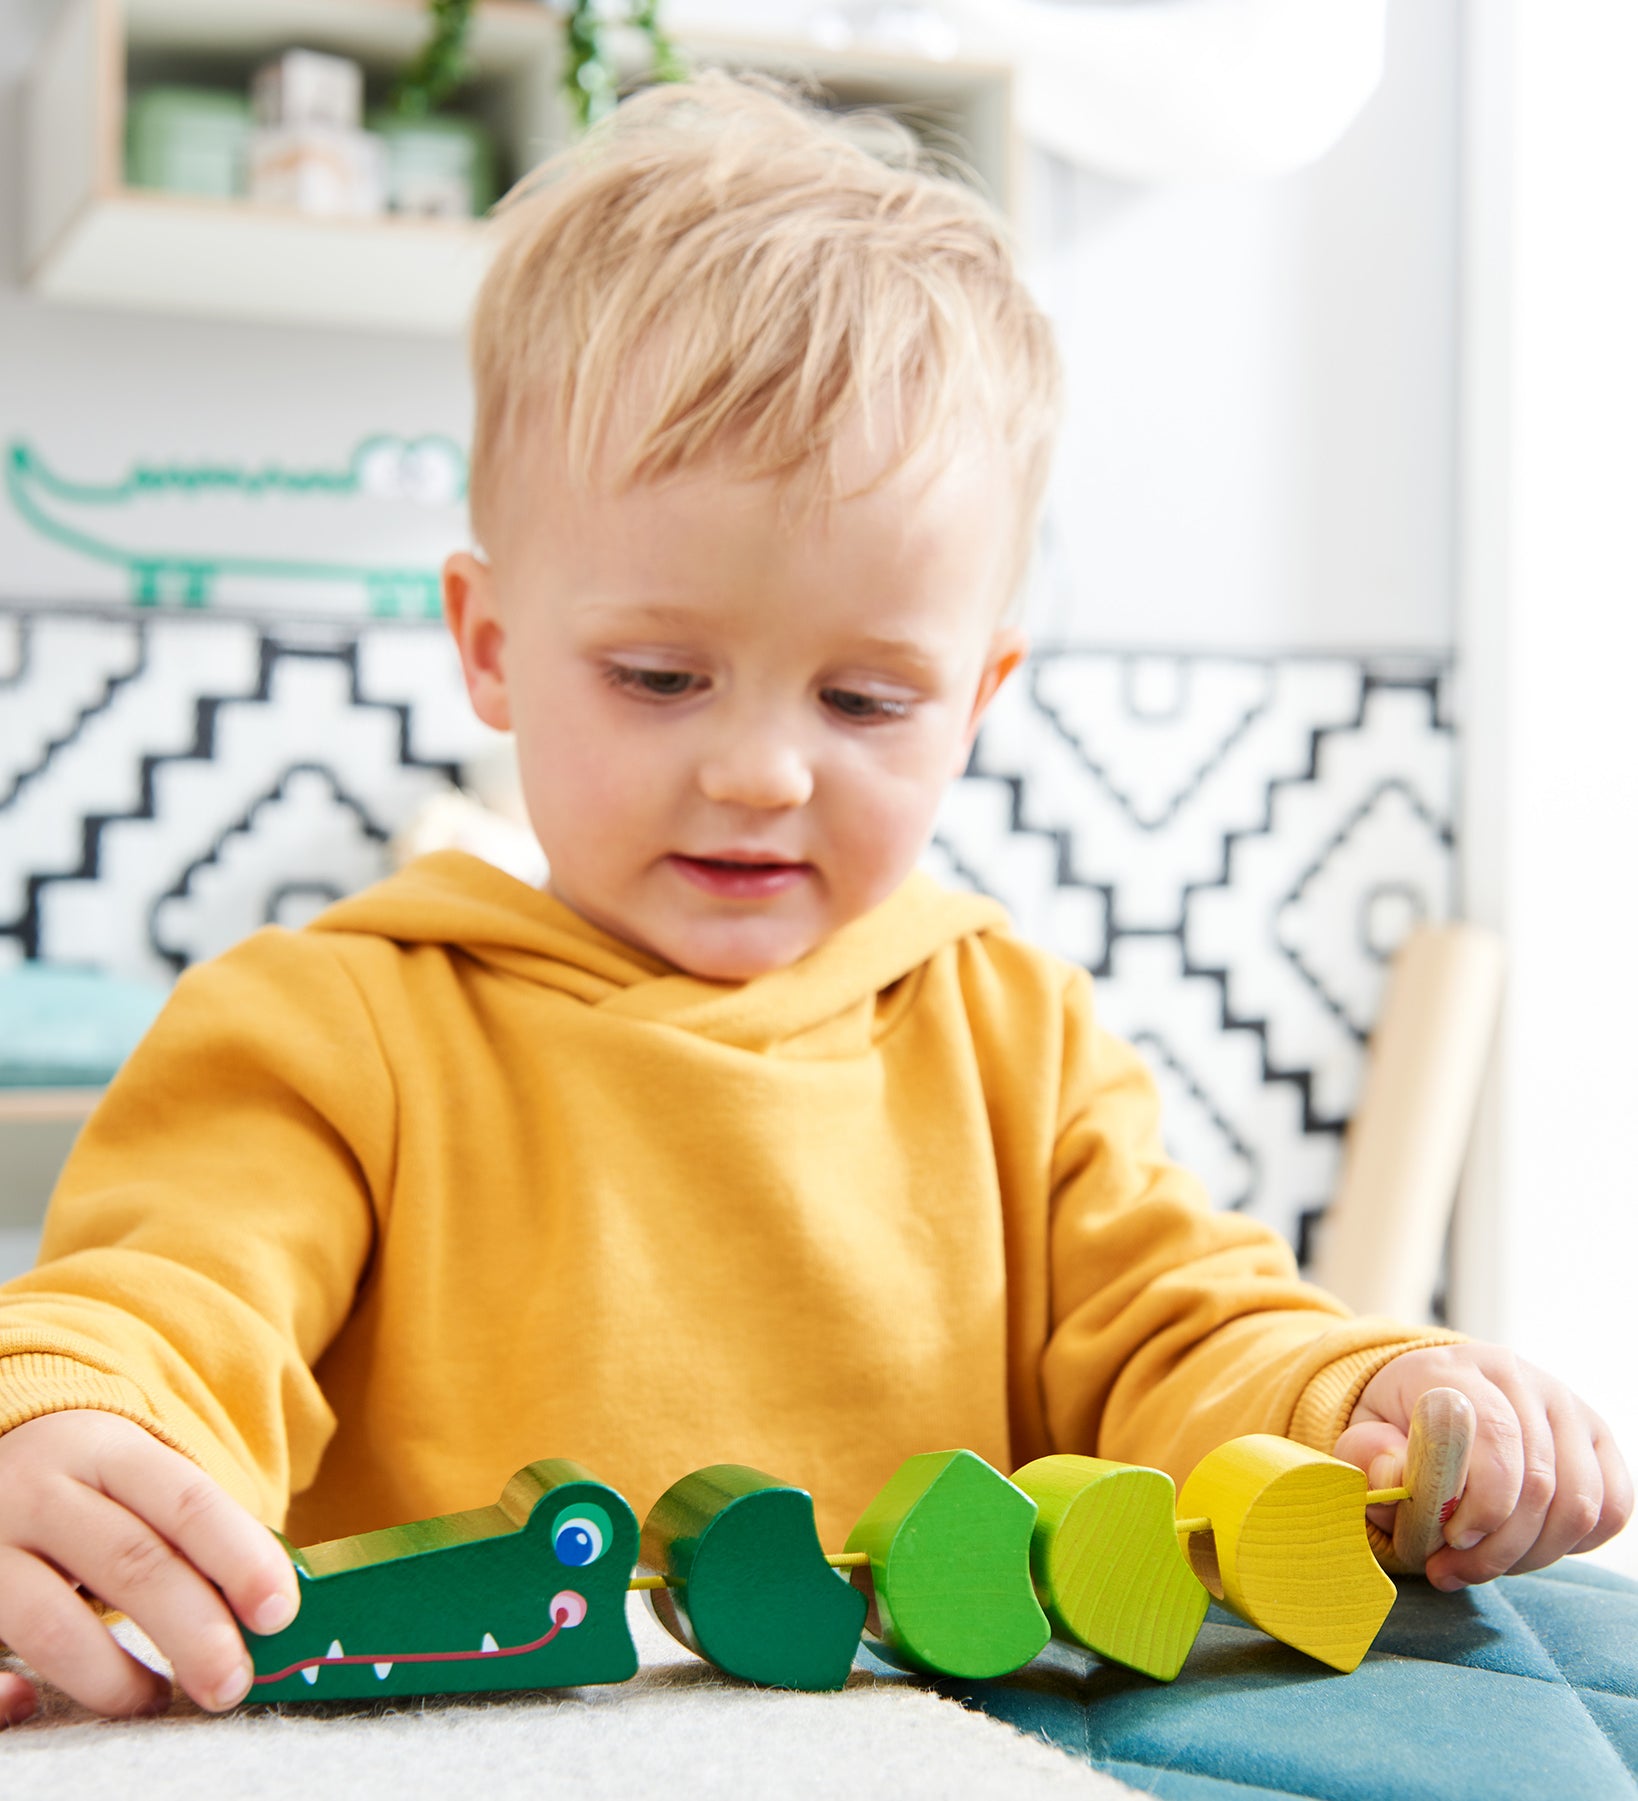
[(733, 878)]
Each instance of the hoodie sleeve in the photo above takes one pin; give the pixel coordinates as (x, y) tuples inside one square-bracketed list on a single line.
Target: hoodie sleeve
[(210, 1229), (1173, 1326)]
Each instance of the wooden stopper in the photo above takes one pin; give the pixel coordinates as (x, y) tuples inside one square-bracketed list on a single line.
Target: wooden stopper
[(1107, 1564), (1289, 1546), (1436, 1454), (949, 1575), (746, 1585)]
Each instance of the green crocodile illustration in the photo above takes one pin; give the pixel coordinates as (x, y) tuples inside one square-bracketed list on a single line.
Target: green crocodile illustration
[(284, 526), (527, 1593)]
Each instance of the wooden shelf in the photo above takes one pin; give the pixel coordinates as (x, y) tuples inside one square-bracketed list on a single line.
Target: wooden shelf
[(88, 238), (38, 1127), (228, 259), (36, 1105)]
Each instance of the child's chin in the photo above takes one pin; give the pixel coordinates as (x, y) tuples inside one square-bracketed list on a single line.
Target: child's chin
[(738, 956)]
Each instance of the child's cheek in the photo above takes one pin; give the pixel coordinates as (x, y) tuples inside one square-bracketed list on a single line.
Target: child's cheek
[(882, 824)]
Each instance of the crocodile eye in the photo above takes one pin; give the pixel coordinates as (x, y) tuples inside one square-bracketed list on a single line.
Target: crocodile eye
[(580, 1535)]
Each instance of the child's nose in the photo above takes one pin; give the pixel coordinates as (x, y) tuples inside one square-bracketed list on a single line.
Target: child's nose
[(757, 772)]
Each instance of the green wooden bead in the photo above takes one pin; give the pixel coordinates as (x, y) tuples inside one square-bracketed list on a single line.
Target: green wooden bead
[(949, 1538), (528, 1593), (1107, 1564), (747, 1584)]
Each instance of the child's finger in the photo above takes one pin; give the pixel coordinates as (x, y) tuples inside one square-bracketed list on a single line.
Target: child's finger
[(55, 1633), (1511, 1482), (1618, 1497), (18, 1700), (122, 1560), (212, 1531), (1378, 1448), (1512, 1452), (1578, 1494)]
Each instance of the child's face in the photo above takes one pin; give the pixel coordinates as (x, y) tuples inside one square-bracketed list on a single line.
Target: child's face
[(734, 724)]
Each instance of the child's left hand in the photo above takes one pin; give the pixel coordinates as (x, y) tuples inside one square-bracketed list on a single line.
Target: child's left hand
[(1545, 1476)]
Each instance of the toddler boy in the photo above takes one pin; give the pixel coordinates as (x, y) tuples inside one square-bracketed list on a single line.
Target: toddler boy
[(743, 1141)]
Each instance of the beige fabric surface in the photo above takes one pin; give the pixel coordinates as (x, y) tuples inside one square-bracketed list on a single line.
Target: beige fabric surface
[(680, 1729)]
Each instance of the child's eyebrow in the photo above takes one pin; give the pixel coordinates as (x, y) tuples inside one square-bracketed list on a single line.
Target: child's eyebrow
[(657, 612), (911, 654)]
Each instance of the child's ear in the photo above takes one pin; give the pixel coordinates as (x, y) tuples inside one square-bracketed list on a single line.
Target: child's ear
[(1007, 650), (469, 609)]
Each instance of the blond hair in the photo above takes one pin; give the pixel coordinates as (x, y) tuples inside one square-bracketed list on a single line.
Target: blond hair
[(775, 281)]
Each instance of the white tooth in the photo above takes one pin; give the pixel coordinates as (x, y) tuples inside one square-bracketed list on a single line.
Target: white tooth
[(310, 1674), (382, 1671), (335, 1648), (489, 1642)]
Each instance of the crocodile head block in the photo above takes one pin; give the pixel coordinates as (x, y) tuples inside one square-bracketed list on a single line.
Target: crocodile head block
[(527, 1593)]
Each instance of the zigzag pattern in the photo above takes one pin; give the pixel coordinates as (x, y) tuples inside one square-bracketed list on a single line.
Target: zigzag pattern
[(1267, 1062), (1228, 865), (100, 704), (1301, 1079), (272, 654)]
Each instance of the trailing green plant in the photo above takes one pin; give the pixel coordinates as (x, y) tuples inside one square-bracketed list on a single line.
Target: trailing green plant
[(441, 66), (590, 78)]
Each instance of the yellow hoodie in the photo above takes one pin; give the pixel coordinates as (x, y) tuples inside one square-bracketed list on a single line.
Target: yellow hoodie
[(384, 1209)]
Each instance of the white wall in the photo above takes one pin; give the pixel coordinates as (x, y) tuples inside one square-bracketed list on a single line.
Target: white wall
[(1547, 1241), (96, 390), (1260, 452)]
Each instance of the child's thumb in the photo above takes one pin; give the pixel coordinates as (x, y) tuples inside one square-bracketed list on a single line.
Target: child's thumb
[(1387, 1470), (1369, 1447), (1377, 1448)]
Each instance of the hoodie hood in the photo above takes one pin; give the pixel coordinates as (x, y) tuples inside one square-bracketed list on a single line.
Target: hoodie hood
[(454, 899)]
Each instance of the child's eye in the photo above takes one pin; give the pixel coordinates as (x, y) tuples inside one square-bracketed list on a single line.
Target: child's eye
[(652, 684), (864, 706)]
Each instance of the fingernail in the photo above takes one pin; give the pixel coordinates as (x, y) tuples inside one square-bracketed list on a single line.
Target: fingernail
[(1467, 1541), (233, 1690), (274, 1614)]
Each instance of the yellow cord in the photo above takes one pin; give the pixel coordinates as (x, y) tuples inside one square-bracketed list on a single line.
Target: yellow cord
[(1374, 1497), (840, 1560)]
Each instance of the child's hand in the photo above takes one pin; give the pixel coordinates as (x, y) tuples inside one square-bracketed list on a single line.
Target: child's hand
[(1545, 1476), (92, 1498)]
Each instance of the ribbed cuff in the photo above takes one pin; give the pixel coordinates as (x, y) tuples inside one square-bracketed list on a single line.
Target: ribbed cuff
[(1325, 1406), (33, 1383)]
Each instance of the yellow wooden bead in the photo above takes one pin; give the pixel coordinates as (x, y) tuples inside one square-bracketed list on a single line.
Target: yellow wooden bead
[(1106, 1561), (1291, 1554)]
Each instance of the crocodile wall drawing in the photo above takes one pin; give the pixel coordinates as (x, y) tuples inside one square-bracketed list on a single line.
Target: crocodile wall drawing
[(206, 534)]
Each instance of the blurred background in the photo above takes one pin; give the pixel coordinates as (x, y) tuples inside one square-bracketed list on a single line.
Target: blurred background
[(1333, 611)]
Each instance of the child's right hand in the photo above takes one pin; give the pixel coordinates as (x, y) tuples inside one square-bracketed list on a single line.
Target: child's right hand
[(93, 1499)]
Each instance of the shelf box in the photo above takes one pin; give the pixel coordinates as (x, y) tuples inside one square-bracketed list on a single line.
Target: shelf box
[(89, 238)]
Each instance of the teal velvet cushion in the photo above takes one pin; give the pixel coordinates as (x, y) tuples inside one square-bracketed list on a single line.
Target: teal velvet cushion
[(69, 1028), (1518, 1690)]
